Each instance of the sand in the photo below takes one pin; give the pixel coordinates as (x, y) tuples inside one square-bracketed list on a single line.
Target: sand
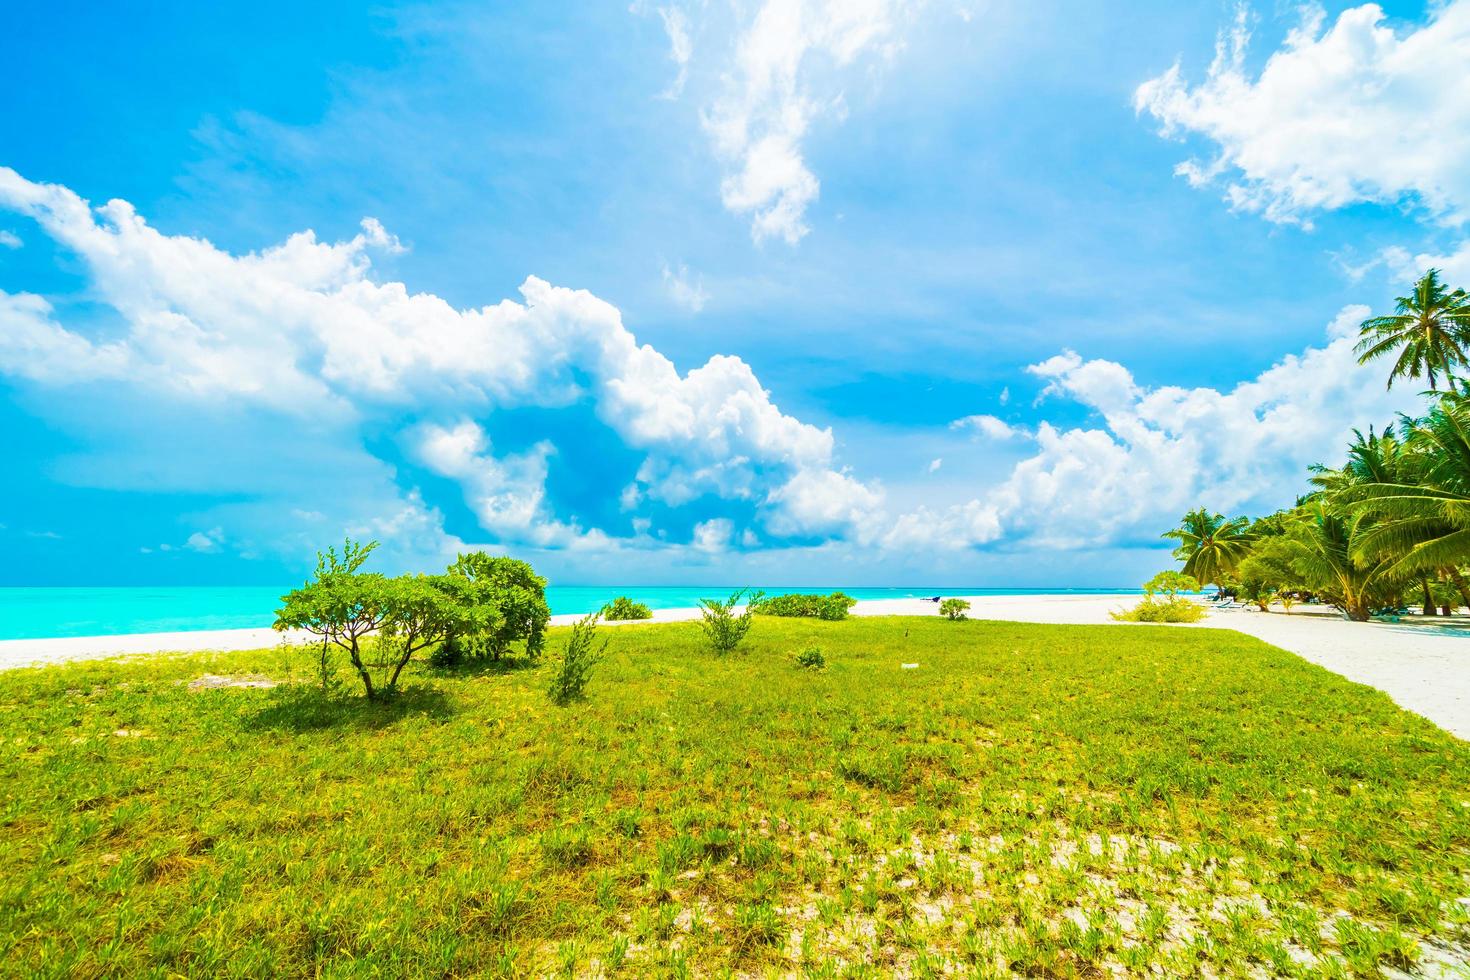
[(1423, 663)]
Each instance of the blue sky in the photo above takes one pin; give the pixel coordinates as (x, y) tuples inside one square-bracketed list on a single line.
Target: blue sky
[(803, 292)]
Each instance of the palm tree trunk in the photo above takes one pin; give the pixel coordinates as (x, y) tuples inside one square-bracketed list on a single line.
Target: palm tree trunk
[(1429, 609), (1460, 585)]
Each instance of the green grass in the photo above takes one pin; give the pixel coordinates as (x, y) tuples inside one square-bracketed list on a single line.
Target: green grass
[(1043, 800)]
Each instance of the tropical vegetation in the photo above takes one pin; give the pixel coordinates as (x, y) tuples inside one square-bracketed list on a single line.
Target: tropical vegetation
[(623, 609), (829, 607), (477, 609), (1056, 801), (1390, 527)]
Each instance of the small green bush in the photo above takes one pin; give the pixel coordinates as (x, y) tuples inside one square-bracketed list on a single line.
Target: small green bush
[(569, 679), (721, 626), (953, 608), (811, 659), (623, 608), (829, 607), (1173, 609)]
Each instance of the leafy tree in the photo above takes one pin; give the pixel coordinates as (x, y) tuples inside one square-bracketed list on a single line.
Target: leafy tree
[(1428, 332), (518, 596), (1266, 574), (953, 608), (1211, 546), (1170, 583), (721, 626), (342, 604)]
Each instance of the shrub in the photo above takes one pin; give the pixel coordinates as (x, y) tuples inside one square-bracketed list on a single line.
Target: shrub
[(516, 595), (811, 659), (828, 607), (623, 608), (721, 626), (1171, 609), (953, 608), (569, 679)]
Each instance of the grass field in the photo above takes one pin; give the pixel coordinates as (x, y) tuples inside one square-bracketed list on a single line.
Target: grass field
[(1052, 801)]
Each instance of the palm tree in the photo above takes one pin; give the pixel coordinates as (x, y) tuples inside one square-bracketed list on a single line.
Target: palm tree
[(1429, 332), (1424, 516), (1326, 546), (1210, 545)]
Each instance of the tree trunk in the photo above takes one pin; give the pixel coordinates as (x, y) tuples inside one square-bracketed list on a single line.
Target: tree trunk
[(367, 680), (1428, 602), (1357, 610), (1460, 585)]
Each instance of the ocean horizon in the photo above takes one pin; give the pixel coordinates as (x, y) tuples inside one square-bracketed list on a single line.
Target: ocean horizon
[(49, 612)]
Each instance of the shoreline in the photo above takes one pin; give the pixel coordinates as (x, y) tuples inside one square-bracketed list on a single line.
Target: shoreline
[(1422, 664)]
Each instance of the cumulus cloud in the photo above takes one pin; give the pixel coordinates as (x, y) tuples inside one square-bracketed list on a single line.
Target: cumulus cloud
[(770, 100), (1406, 267), (9, 239), (713, 536), (1160, 451), (302, 331), (1354, 112)]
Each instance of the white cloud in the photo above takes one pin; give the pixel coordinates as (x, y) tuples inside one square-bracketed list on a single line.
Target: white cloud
[(206, 542), (934, 464), (1351, 114), (302, 332), (824, 502), (10, 239), (508, 494), (1161, 451), (770, 101), (713, 536), (684, 291), (1406, 268), (987, 425), (681, 48)]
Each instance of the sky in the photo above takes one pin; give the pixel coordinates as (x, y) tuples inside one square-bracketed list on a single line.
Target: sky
[(802, 292)]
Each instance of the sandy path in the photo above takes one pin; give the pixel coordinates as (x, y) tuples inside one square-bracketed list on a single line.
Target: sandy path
[(1423, 665)]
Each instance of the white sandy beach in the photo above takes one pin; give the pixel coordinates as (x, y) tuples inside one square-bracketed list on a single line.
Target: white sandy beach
[(1423, 664)]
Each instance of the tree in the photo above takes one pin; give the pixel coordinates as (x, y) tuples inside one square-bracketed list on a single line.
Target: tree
[(342, 605), (954, 608), (1266, 573), (516, 593), (1423, 514), (1210, 546), (1428, 332), (1325, 550)]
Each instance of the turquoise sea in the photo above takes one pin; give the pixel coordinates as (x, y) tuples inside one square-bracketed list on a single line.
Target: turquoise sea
[(36, 613)]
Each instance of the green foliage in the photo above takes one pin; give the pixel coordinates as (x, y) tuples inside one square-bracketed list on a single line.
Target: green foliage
[(796, 604), (1169, 609), (570, 675), (953, 608), (1170, 583), (811, 659), (1210, 546), (622, 608), (1428, 332), (516, 594), (342, 605), (467, 828), (722, 627)]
